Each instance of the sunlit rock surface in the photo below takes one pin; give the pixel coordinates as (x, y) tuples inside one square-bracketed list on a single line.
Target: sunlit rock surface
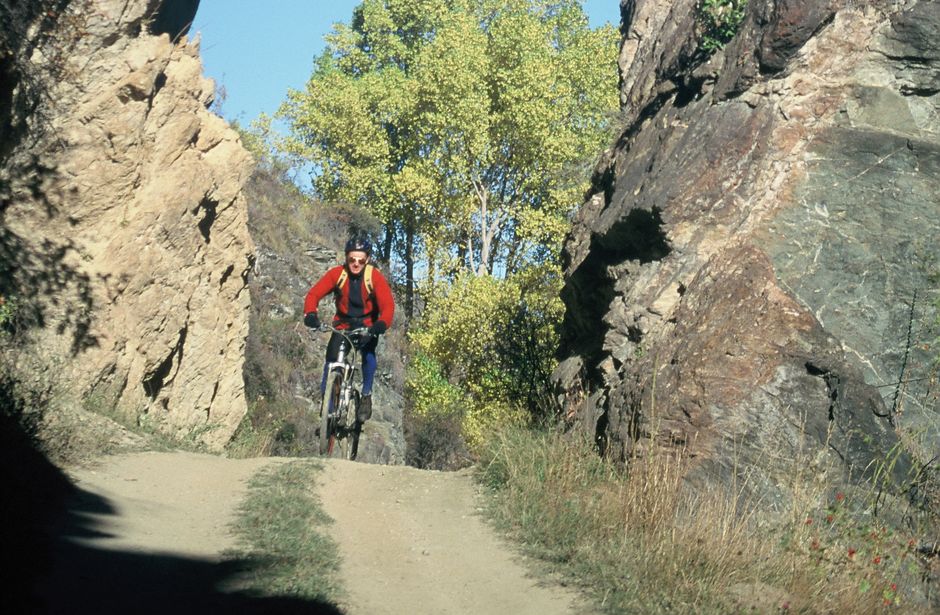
[(758, 267), (123, 227)]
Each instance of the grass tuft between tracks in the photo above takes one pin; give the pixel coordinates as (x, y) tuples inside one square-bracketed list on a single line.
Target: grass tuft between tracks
[(281, 530)]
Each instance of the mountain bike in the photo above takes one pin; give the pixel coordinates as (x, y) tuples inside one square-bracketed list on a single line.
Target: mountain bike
[(340, 405)]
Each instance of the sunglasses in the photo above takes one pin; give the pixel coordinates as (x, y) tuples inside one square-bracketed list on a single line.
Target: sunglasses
[(353, 260)]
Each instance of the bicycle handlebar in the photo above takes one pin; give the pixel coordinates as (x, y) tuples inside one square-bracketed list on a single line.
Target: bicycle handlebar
[(362, 333), (358, 331)]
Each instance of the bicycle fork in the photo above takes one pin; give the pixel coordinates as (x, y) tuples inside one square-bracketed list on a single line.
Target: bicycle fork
[(346, 390)]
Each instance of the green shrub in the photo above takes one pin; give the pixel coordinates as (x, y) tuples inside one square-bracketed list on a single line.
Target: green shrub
[(719, 20), (430, 390), (7, 312), (484, 351)]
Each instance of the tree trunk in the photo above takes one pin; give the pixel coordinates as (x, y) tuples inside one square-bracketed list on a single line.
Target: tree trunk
[(387, 245), (462, 249), (410, 265), (484, 235)]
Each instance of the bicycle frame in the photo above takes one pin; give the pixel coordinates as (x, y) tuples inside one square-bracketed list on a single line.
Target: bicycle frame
[(339, 407), (346, 361)]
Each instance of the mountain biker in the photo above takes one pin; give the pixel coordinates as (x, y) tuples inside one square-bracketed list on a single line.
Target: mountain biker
[(363, 299)]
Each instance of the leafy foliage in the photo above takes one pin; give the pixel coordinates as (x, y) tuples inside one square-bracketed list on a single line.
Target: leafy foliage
[(455, 123), (485, 347), (468, 128), (720, 20)]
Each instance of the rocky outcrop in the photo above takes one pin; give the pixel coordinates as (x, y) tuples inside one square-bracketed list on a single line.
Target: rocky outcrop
[(123, 232), (761, 244)]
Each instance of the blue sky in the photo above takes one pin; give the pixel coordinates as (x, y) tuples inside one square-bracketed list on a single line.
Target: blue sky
[(258, 50)]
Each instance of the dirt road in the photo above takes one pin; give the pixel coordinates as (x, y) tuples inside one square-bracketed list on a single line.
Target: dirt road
[(413, 542), (146, 533)]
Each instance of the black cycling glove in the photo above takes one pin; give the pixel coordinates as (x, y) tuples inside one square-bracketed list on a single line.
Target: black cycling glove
[(312, 320), (378, 328)]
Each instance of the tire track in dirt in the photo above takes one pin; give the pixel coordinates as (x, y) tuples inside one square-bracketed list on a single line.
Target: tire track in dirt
[(413, 542)]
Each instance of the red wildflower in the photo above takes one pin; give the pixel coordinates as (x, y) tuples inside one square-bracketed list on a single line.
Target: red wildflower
[(840, 497), (876, 559), (829, 518), (809, 521), (894, 587), (851, 552), (910, 544), (815, 544)]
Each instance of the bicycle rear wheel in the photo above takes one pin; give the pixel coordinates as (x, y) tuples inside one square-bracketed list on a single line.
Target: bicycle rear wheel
[(329, 409)]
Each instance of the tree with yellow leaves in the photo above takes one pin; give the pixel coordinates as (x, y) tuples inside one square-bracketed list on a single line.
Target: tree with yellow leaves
[(458, 122), (468, 127)]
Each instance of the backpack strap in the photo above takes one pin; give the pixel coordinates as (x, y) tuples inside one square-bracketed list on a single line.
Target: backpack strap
[(367, 278)]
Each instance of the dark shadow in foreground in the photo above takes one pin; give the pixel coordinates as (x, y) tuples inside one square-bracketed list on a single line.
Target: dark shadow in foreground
[(89, 580), (43, 519)]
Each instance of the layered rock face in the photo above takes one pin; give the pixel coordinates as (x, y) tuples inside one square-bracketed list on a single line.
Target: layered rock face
[(762, 245), (124, 236)]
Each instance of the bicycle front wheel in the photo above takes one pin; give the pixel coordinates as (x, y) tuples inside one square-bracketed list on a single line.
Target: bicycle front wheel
[(329, 410), (355, 429)]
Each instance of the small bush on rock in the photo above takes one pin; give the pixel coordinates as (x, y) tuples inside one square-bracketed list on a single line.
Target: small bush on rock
[(719, 20)]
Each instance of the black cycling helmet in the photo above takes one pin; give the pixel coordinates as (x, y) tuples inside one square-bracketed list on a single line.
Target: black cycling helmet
[(359, 244)]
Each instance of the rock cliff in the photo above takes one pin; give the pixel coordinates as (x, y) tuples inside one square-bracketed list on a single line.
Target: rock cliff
[(122, 226), (761, 247)]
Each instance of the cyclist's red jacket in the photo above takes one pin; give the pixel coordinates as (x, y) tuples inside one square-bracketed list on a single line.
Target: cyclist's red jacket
[(380, 306)]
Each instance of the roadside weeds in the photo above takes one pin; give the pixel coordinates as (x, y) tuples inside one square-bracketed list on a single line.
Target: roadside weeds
[(638, 541)]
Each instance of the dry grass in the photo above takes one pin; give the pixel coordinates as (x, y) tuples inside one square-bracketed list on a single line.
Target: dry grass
[(641, 540)]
